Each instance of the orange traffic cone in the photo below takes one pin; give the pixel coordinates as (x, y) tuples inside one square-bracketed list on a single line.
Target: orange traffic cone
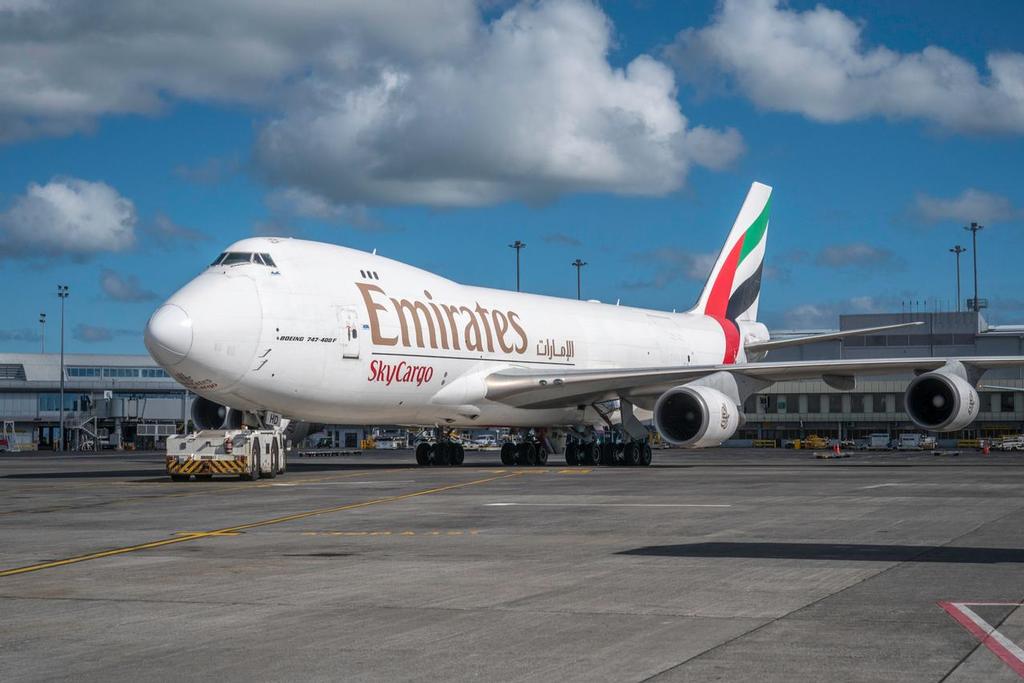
[(835, 448)]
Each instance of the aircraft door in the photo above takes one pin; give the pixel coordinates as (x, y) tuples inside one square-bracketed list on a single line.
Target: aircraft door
[(348, 320)]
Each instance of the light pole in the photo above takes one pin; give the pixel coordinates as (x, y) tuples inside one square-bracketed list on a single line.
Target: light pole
[(958, 250), (973, 228), (62, 292), (518, 245), (578, 264), (42, 333)]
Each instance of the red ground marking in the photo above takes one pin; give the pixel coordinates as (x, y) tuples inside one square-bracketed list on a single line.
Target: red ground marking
[(1008, 651)]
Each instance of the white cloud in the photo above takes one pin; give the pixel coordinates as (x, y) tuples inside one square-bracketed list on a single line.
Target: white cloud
[(166, 232), (372, 101), (816, 63), (671, 264), (92, 334), (969, 205), (562, 239), (68, 216), (526, 107), (124, 288), (63, 64), (295, 202), (811, 316), (856, 255), (20, 335)]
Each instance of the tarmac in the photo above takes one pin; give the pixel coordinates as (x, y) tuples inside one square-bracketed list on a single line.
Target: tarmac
[(732, 565)]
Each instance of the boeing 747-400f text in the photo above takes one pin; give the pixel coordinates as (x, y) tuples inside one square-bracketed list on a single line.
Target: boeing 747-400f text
[(319, 333)]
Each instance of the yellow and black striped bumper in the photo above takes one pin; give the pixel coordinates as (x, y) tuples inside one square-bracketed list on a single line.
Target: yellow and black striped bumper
[(206, 466)]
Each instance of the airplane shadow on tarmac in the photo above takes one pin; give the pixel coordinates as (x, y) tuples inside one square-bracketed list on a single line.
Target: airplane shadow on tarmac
[(836, 551)]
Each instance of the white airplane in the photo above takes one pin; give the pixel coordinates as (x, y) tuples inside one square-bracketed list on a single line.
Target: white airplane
[(319, 333)]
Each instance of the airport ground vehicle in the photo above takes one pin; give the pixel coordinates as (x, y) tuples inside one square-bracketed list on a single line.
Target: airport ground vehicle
[(908, 442), (812, 441), (248, 453), (1012, 443), (878, 442)]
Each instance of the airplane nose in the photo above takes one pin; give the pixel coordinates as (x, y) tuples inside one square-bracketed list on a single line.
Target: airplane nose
[(169, 334)]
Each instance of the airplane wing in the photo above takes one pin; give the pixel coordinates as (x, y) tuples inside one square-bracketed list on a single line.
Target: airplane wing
[(828, 336), (526, 388)]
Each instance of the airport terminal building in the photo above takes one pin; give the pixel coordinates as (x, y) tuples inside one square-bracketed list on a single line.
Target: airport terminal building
[(128, 401), (109, 400)]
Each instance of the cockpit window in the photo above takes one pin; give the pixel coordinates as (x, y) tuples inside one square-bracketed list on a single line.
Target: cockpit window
[(235, 257)]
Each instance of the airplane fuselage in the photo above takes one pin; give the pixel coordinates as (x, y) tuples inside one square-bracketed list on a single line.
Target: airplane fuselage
[(336, 335)]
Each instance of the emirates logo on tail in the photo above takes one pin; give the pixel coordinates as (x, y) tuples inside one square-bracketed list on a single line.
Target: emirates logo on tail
[(734, 288)]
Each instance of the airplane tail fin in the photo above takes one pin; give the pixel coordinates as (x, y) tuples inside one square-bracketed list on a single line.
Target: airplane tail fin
[(734, 286)]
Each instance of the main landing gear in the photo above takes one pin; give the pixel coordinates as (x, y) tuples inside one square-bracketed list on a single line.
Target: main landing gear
[(443, 452), (630, 453), (527, 453)]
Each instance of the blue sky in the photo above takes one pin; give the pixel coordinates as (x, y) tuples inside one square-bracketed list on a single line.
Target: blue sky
[(873, 181)]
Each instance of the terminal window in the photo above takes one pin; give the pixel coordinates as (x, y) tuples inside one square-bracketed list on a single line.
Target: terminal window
[(120, 372), (1006, 402), (52, 402)]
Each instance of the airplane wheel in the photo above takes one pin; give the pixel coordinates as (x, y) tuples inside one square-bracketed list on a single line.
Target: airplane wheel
[(254, 462), (631, 454), (458, 454), (606, 454), (590, 455), (508, 454), (273, 461), (442, 454), (572, 454), (542, 455), (646, 455), (527, 454), (423, 454)]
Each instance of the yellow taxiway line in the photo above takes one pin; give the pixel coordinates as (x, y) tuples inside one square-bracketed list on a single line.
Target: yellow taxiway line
[(195, 489), (232, 530)]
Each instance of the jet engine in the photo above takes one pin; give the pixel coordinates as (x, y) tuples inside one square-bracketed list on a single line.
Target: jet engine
[(696, 416), (209, 415), (941, 401)]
